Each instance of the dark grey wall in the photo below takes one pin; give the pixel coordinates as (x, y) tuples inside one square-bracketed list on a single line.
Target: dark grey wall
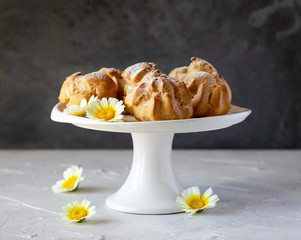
[(255, 45)]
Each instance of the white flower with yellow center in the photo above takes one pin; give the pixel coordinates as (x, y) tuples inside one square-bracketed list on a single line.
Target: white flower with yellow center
[(76, 212), (192, 202), (106, 110), (72, 177), (77, 110)]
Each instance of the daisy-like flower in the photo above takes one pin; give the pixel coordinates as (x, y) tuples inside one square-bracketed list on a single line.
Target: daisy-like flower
[(79, 110), (192, 202), (72, 177), (76, 212), (106, 110)]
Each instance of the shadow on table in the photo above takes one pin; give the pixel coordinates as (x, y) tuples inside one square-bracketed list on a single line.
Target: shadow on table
[(87, 189), (97, 222), (245, 195)]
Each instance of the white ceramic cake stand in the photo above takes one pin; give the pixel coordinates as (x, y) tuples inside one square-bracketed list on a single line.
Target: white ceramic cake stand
[(152, 185)]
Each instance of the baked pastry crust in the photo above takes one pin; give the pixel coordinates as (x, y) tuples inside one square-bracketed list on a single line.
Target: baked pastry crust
[(211, 95), (115, 74), (133, 74), (158, 97), (178, 72), (79, 86), (198, 64)]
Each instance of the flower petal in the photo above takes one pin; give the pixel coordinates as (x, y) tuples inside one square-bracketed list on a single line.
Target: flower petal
[(190, 191), (83, 103), (213, 198), (85, 203), (91, 208), (208, 192), (211, 205), (76, 203)]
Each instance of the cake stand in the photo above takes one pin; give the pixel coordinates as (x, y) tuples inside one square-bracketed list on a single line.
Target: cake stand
[(151, 186)]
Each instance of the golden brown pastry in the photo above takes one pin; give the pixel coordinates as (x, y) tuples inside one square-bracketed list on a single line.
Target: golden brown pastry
[(178, 72), (79, 86), (198, 64), (115, 74), (158, 97), (133, 74), (211, 95)]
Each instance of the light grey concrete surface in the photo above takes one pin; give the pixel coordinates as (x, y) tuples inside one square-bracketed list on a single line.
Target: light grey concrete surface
[(260, 196)]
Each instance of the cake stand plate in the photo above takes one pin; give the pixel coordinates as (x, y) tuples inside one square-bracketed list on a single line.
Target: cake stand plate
[(151, 186)]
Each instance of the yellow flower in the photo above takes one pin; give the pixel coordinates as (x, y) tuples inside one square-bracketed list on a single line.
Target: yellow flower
[(79, 110), (192, 202), (76, 212), (72, 177), (106, 110)]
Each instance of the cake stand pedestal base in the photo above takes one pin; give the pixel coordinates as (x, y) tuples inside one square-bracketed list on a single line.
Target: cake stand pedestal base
[(152, 186)]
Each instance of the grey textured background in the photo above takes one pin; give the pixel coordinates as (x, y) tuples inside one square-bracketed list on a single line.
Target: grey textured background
[(255, 45)]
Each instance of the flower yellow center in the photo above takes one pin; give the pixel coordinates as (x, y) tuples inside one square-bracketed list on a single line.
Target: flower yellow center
[(81, 113), (78, 213), (196, 202), (106, 113), (69, 183)]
